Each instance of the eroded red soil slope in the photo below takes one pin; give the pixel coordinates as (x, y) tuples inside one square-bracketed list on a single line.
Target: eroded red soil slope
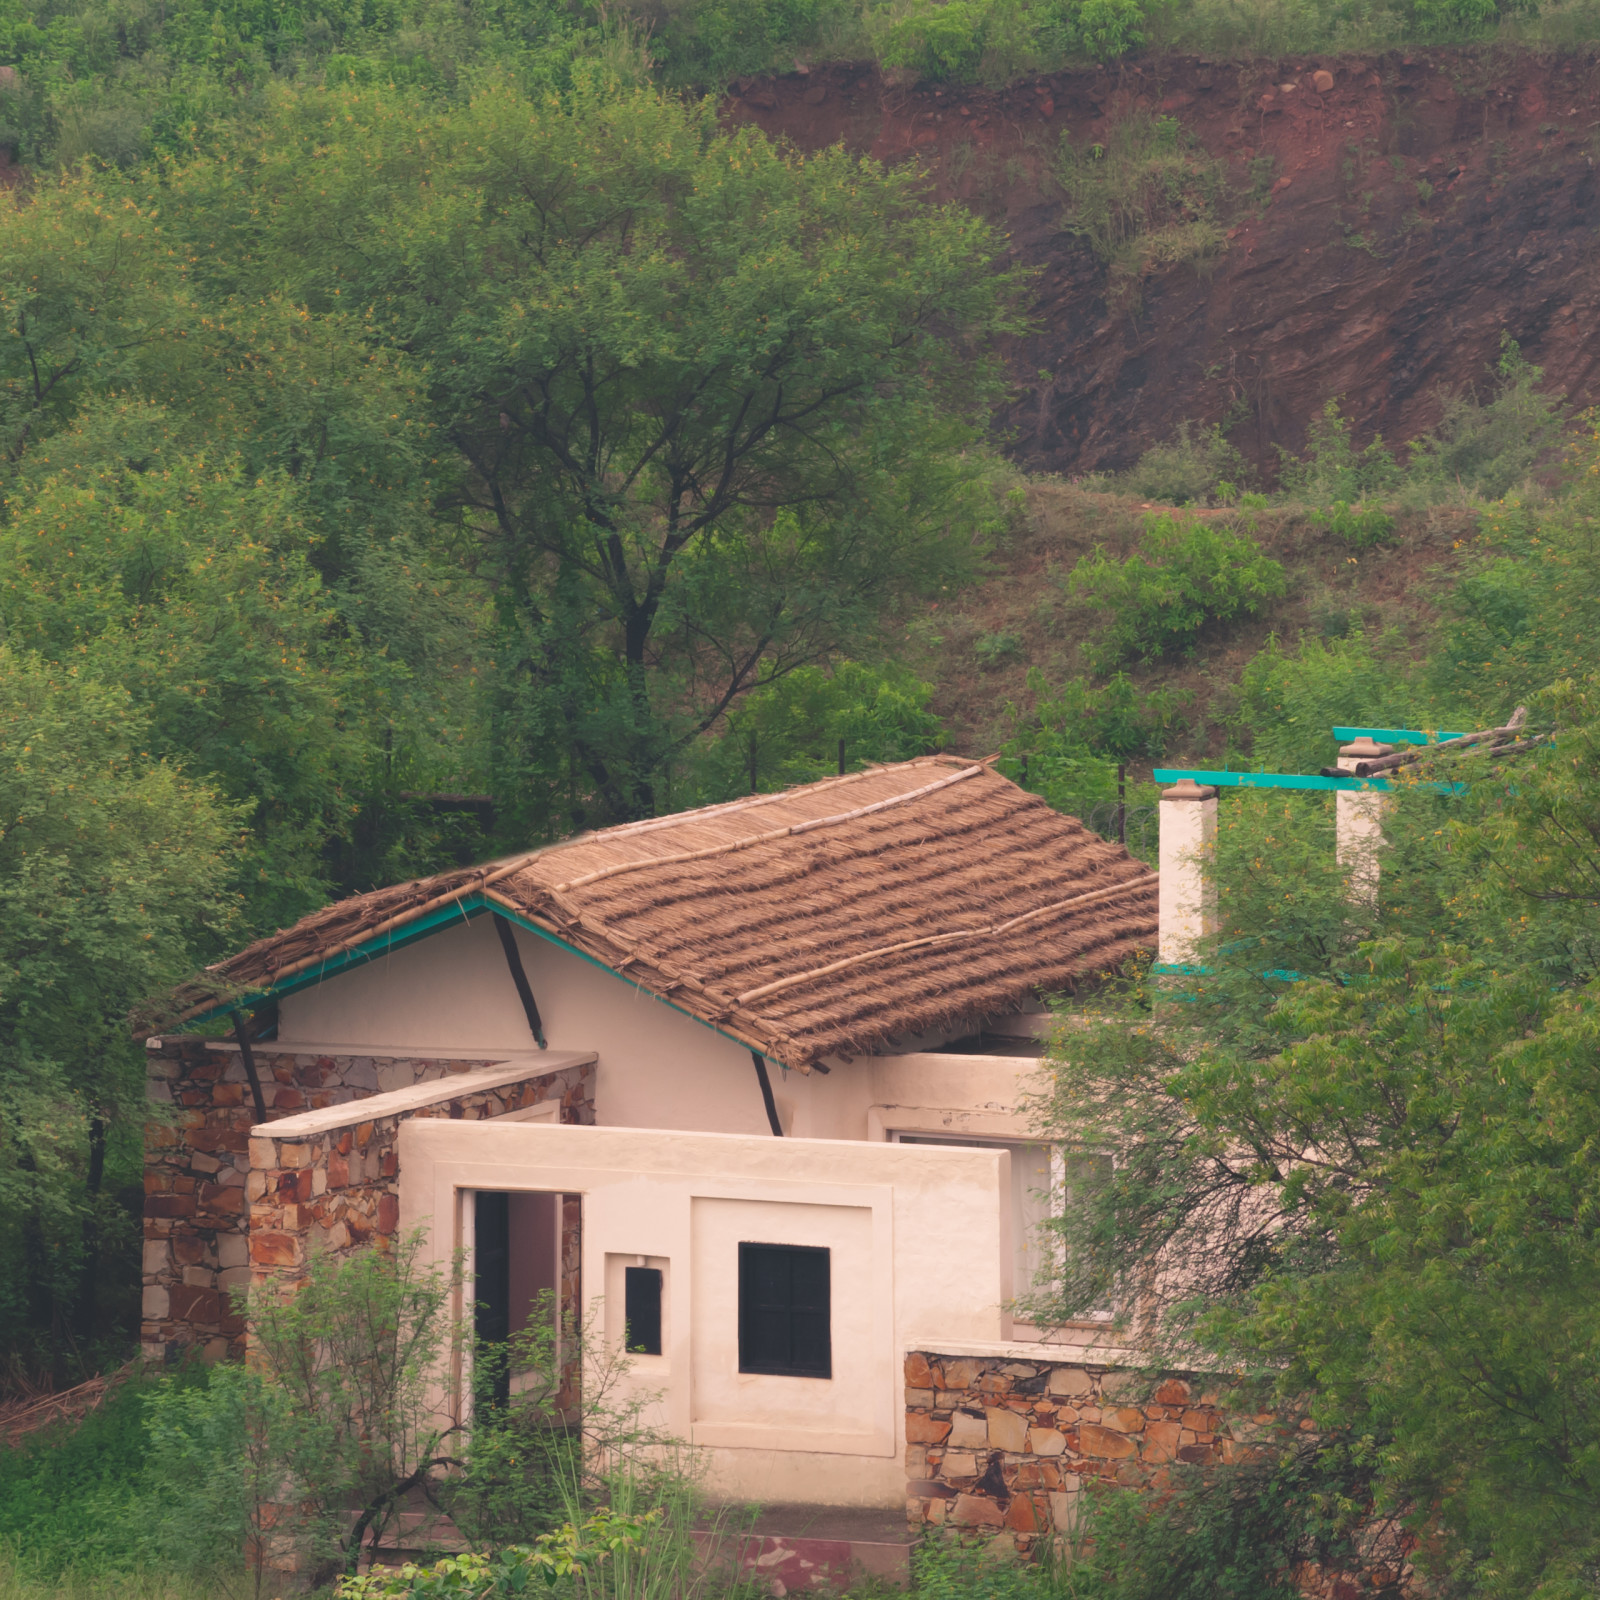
[(1354, 281)]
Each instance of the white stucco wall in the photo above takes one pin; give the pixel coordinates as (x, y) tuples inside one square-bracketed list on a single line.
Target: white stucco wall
[(920, 1250), (451, 995)]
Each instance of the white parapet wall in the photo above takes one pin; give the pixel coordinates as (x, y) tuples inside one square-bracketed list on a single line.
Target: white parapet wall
[(919, 1242), (1187, 899), (1358, 827)]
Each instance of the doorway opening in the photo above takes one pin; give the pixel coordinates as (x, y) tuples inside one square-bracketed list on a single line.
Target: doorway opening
[(524, 1278)]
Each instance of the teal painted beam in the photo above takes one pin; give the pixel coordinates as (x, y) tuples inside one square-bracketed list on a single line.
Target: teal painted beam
[(1265, 780), (1286, 780), (1395, 735)]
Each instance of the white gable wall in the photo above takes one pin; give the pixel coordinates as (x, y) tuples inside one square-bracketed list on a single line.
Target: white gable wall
[(451, 994)]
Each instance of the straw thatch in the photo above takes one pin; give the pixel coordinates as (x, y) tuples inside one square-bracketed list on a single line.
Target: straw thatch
[(826, 920)]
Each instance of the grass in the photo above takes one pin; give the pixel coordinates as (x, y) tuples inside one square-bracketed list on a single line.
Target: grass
[(15, 1584)]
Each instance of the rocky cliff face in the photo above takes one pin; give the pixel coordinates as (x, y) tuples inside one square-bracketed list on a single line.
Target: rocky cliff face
[(1390, 217)]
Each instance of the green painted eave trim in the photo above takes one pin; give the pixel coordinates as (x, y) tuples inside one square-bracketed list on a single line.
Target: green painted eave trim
[(465, 909)]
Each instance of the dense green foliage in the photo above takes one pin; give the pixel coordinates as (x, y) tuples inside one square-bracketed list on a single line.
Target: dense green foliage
[(390, 438), (711, 407), (1184, 578), (113, 867), (1354, 1143), (120, 80)]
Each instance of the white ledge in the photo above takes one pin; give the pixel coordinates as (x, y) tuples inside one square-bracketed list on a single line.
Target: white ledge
[(397, 1102), (1093, 1355)]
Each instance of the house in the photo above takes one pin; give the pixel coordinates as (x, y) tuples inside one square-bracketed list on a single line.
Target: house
[(744, 1083)]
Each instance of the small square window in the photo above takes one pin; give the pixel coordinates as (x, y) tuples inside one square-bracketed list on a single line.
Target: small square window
[(785, 1318), (641, 1303)]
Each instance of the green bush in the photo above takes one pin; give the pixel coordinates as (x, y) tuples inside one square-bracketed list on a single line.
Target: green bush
[(1107, 29), (937, 42), (789, 731), (574, 1551), (713, 41), (1332, 468), (1488, 449), (1185, 578), (1362, 527), (1192, 467), (1149, 197), (1067, 749)]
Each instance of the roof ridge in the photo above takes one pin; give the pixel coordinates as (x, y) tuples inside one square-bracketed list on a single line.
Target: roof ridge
[(764, 838), (749, 802)]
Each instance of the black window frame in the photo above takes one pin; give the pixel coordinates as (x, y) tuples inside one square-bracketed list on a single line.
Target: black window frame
[(778, 1318), (641, 1320)]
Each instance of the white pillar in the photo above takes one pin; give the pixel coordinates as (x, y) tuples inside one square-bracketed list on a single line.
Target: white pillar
[(1358, 827), (1187, 897)]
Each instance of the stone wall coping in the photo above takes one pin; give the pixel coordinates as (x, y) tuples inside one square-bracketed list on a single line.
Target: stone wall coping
[(1093, 1355), (435, 1091), (379, 1052)]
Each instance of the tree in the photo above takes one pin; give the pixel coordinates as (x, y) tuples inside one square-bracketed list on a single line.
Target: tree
[(113, 869), (1356, 1154), (714, 404)]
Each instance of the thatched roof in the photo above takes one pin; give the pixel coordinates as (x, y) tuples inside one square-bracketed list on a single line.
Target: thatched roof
[(827, 919)]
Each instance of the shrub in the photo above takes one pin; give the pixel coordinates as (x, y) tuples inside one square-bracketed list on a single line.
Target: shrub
[(1067, 749), (1107, 29), (575, 1552), (1191, 467), (993, 648), (789, 730), (1187, 576), (1362, 527), (1332, 468), (1148, 198), (715, 40), (1488, 449), (939, 41)]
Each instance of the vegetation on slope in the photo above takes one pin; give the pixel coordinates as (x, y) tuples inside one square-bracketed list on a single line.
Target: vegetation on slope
[(120, 80), (408, 410)]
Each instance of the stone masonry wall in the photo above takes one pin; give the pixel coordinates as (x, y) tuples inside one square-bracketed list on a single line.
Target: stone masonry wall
[(338, 1190), (1005, 1446), (197, 1161)]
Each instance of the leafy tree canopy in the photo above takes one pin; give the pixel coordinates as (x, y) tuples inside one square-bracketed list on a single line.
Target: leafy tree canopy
[(711, 406)]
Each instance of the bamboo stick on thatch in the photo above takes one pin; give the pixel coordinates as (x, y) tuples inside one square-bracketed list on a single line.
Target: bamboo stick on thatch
[(993, 930), (772, 834)]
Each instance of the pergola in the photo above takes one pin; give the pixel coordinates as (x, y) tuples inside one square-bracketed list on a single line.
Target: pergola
[(1188, 812)]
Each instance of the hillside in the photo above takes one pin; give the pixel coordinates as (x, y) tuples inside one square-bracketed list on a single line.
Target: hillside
[(978, 646), (1371, 240)]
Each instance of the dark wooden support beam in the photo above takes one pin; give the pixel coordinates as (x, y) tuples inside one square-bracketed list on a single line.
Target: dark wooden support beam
[(530, 1006), (241, 1032), (766, 1093)]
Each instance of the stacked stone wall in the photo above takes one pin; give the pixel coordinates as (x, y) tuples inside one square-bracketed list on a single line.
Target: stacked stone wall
[(336, 1191), (197, 1165), (1005, 1447)]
